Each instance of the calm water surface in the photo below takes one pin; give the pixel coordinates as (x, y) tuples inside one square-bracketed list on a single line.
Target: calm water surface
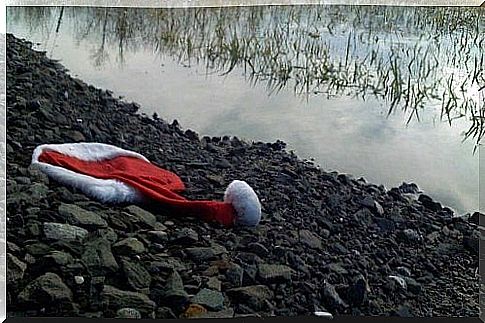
[(342, 133)]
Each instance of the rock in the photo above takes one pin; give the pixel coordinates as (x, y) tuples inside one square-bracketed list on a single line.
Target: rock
[(158, 236), (401, 282), (234, 275), (16, 270), (413, 286), (128, 247), (254, 296), (213, 283), (332, 298), (79, 280), (372, 205), (310, 240), (200, 254), (409, 235), (142, 217), (136, 275), (115, 299), (428, 203), (80, 217), (98, 257), (258, 249), (184, 236), (165, 313), (357, 291), (210, 299), (56, 259), (128, 313), (472, 242), (174, 293), (274, 273), (167, 264), (66, 232), (47, 291)]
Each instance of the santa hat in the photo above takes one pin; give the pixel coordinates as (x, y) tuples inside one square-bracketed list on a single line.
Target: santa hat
[(114, 175)]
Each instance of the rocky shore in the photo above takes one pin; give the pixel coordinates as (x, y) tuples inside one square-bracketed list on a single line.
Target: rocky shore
[(327, 242)]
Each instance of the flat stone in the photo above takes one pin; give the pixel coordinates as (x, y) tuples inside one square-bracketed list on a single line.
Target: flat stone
[(80, 217), (115, 299), (65, 232), (309, 239), (136, 275), (141, 216), (47, 290), (98, 257), (16, 269), (274, 273), (254, 296), (128, 247), (211, 299)]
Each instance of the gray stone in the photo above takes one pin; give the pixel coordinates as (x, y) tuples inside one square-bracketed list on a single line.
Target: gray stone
[(46, 291), (15, 268), (184, 236), (211, 299), (128, 313), (332, 298), (174, 292), (136, 275), (64, 232), (214, 283), (116, 299), (57, 258), (274, 273), (98, 257), (80, 217), (128, 247), (200, 254), (141, 217), (254, 296), (310, 240)]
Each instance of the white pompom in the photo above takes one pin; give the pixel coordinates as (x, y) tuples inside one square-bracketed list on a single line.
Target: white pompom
[(245, 202)]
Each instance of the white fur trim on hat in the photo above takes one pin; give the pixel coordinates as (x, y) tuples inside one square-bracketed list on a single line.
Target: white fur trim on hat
[(104, 190), (245, 202)]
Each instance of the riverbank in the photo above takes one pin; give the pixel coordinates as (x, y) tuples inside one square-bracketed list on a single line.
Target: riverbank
[(327, 242)]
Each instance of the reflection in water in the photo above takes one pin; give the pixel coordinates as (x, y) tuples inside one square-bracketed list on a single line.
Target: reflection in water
[(425, 57), (349, 66)]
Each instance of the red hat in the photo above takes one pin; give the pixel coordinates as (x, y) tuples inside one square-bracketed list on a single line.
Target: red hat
[(115, 175)]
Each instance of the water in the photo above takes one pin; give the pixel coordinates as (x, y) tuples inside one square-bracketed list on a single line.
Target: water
[(339, 130)]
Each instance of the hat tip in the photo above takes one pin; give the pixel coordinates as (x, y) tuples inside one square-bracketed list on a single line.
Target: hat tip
[(245, 202)]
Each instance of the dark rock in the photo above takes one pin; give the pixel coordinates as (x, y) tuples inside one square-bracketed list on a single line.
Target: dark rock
[(184, 236), (136, 275), (47, 291), (98, 257), (200, 254), (16, 270), (174, 293), (66, 232), (128, 313), (210, 299), (80, 217), (128, 247), (141, 217), (115, 299), (428, 203), (310, 240), (254, 296), (332, 298), (274, 273)]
